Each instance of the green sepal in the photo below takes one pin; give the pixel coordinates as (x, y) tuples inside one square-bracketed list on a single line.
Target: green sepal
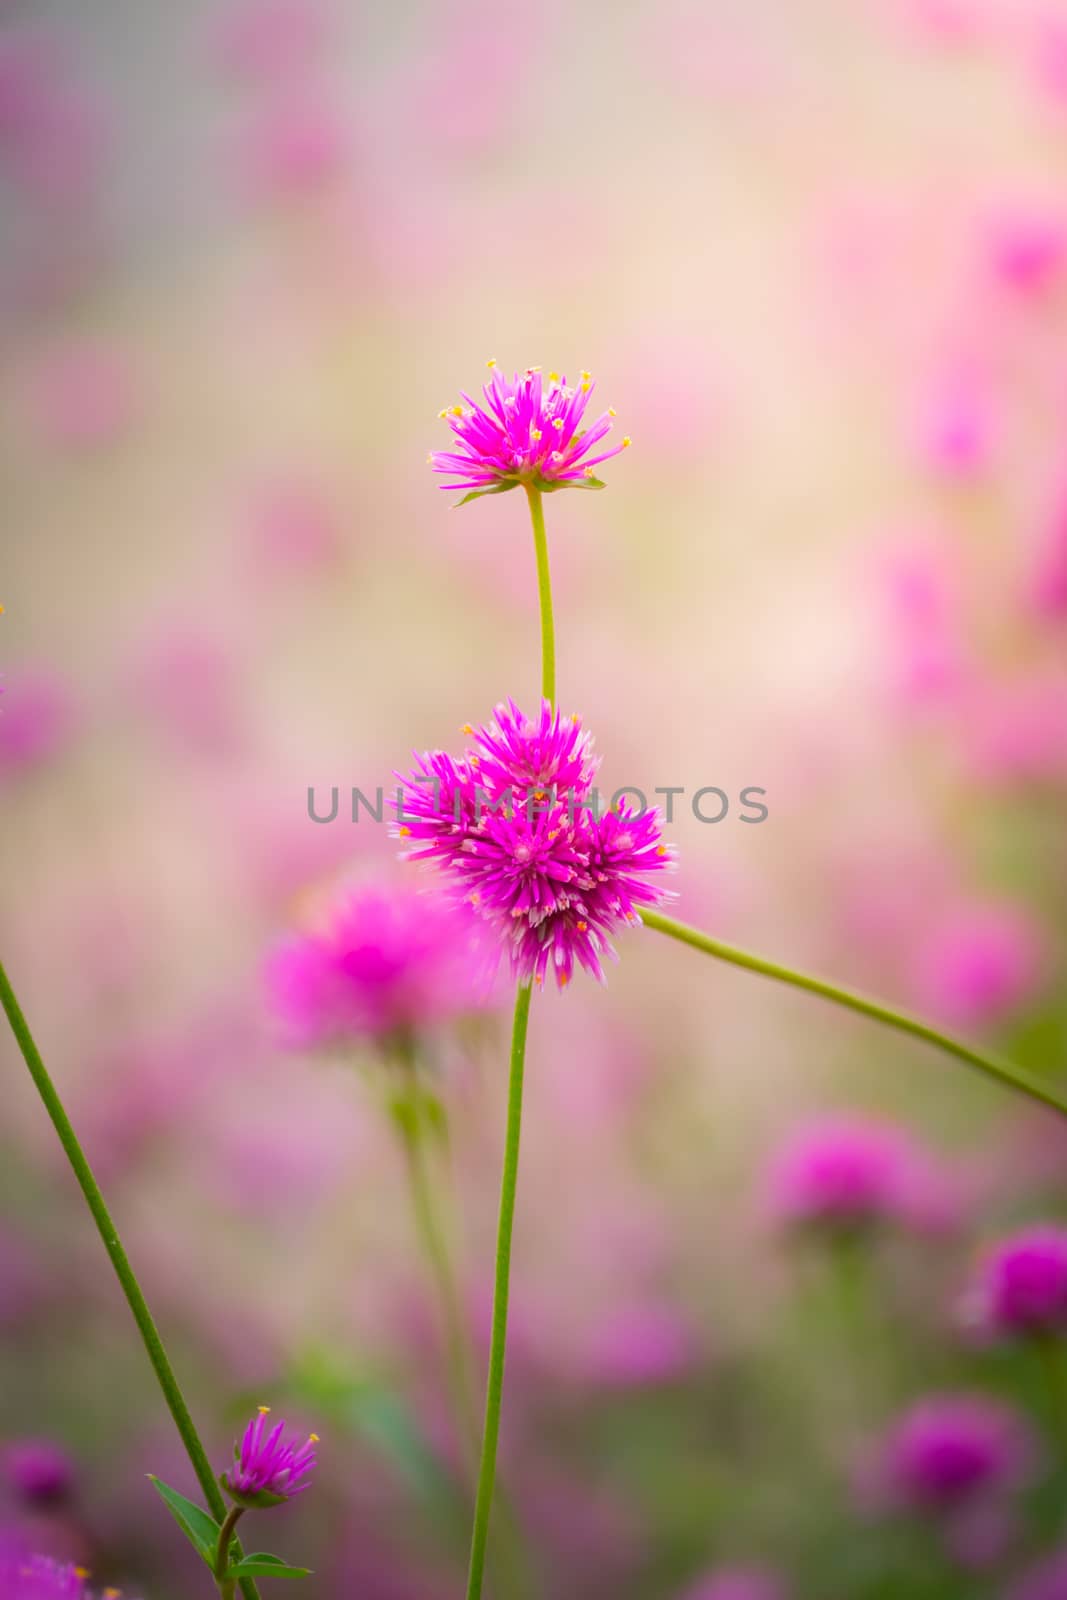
[(511, 482), (262, 1565), (587, 483), (260, 1500), (201, 1529)]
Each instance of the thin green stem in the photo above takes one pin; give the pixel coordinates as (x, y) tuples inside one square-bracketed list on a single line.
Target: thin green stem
[(222, 1552), (438, 1258), (153, 1344), (544, 589), (498, 1340), (1004, 1072)]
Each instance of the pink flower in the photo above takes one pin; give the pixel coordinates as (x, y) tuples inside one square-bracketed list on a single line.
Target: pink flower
[(978, 963), (269, 1470), (1021, 1285), (737, 1583), (957, 427), (271, 39), (382, 962), (84, 396), (37, 718), (515, 825), (950, 1450), (848, 1172), (1027, 249), (528, 431)]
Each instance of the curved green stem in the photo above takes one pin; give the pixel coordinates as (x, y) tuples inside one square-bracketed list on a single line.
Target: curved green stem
[(222, 1552), (544, 589), (153, 1344), (501, 1287), (1004, 1072)]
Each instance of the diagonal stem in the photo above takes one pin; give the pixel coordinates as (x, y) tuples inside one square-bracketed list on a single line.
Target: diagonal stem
[(501, 1288), (153, 1344), (1005, 1072)]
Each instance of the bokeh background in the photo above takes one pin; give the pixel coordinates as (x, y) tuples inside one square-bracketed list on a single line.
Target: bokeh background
[(816, 257)]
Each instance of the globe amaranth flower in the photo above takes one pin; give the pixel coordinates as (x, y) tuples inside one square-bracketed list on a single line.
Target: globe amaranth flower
[(268, 1468), (528, 431), (951, 1450), (849, 1172), (28, 1577), (38, 1471), (516, 825), (1020, 1287), (381, 960)]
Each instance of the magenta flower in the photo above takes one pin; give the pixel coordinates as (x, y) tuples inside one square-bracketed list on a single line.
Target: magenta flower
[(737, 1583), (949, 1450), (1021, 1285), (847, 1172), (38, 1471), (384, 961), (269, 1470), (529, 431), (24, 1577), (516, 826)]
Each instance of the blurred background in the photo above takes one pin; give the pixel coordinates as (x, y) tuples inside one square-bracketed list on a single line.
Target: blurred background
[(816, 257)]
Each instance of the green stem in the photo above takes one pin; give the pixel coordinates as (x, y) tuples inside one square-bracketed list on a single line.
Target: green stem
[(544, 589), (1004, 1072), (435, 1249), (498, 1340), (222, 1552), (153, 1344)]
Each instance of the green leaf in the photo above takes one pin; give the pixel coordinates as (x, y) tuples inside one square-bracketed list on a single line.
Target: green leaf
[(201, 1530), (262, 1565), (586, 483)]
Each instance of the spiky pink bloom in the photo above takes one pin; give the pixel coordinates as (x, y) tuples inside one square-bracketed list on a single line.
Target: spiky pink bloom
[(269, 1468), (1021, 1284), (25, 1577), (516, 825), (382, 961), (528, 431)]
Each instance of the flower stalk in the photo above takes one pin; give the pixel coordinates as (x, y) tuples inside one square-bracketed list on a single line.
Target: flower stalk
[(222, 1553), (131, 1288), (1004, 1072)]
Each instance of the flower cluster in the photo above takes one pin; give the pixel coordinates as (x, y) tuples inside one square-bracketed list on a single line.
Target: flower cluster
[(529, 431), (382, 961), (269, 1470), (849, 1173), (516, 825)]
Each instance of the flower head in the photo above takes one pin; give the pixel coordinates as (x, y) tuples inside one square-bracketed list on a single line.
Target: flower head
[(951, 1449), (269, 1470), (845, 1172), (26, 1577), (1021, 1286), (383, 960), (528, 431), (39, 1472), (515, 824)]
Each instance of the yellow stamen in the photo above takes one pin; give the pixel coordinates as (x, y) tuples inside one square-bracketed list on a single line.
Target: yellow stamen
[(661, 850), (491, 362), (557, 423), (585, 376), (443, 413), (626, 441), (553, 377), (612, 412), (466, 728), (264, 1411), (313, 1438), (583, 927), (535, 433), (405, 833), (457, 411)]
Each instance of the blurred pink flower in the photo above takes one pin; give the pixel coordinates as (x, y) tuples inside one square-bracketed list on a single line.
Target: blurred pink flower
[(1027, 248), (951, 1450), (639, 1345), (1020, 1286), (920, 605), (268, 40), (290, 525), (1049, 576), (737, 1583), (978, 962), (296, 146), (847, 1171), (1015, 729), (39, 1471), (184, 680), (52, 132), (381, 961), (37, 722), (957, 426), (83, 396)]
